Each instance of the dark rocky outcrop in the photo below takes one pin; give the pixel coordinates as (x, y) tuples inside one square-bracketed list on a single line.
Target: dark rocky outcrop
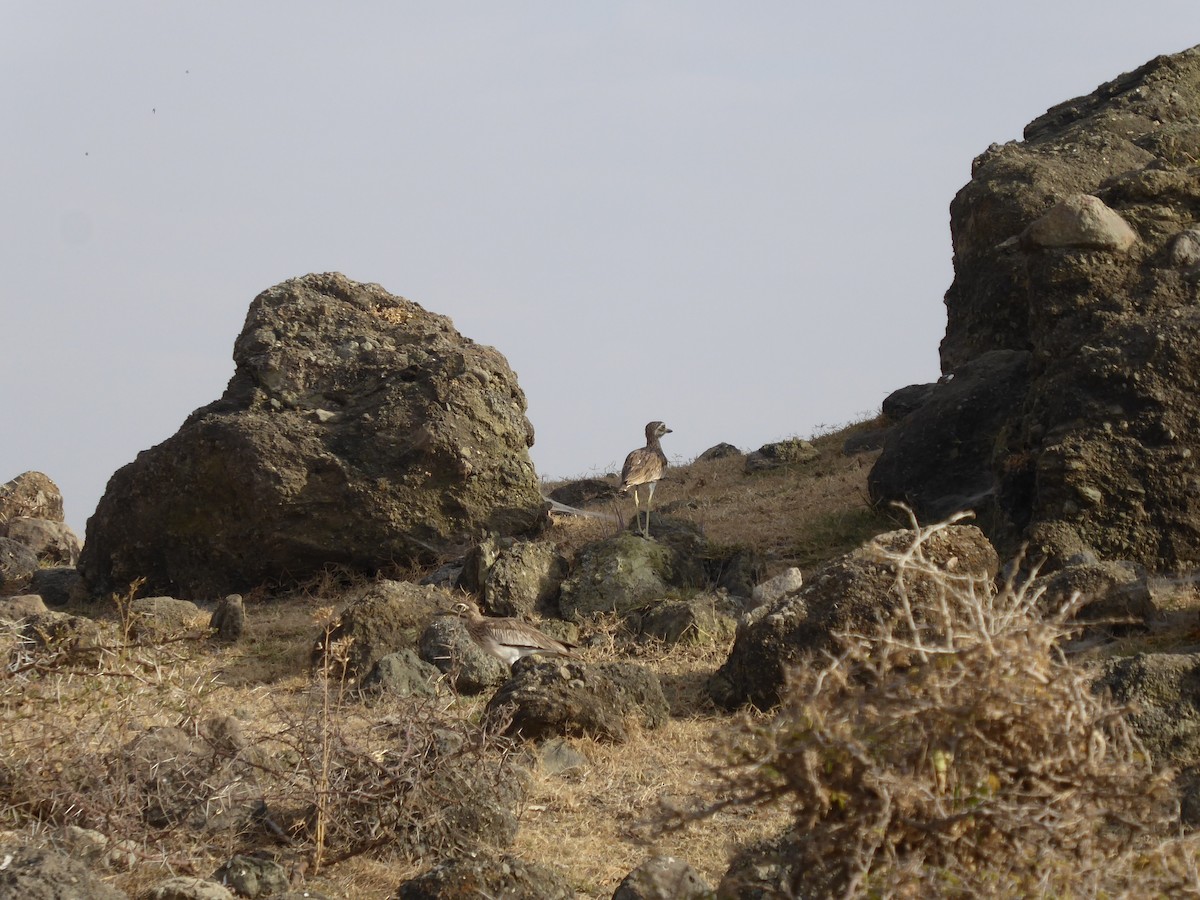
[(228, 619), (722, 450), (1116, 594), (854, 592), (1074, 251), (583, 490), (949, 440), (55, 584), (358, 430)]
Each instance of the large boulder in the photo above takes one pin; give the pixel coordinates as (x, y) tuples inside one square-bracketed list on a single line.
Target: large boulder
[(358, 430), (1075, 250), (853, 593)]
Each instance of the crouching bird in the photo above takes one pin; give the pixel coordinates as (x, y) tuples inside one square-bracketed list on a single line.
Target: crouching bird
[(645, 465), (509, 639)]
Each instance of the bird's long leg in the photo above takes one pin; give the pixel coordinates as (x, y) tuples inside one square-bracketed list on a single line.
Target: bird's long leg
[(649, 499), (637, 510)]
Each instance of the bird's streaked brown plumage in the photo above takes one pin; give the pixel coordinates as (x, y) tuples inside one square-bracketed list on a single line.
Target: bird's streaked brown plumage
[(645, 465), (509, 639)]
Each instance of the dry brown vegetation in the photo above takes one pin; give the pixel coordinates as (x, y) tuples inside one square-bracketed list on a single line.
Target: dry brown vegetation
[(953, 760), (958, 752)]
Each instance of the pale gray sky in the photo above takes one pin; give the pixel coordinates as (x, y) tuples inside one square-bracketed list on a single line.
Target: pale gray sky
[(729, 216)]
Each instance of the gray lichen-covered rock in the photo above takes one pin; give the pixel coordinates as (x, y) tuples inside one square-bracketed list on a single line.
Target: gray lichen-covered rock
[(60, 631), (615, 575), (567, 698), (1072, 248), (446, 645), (181, 780), (524, 578), (853, 592), (467, 877), (35, 873), (358, 430), (663, 878), (13, 609), (251, 876), (1081, 221), (185, 887), (385, 617), (161, 617), (704, 619), (400, 674), (793, 451)]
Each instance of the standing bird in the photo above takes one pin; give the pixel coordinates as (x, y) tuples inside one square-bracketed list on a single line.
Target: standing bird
[(509, 639), (645, 465)]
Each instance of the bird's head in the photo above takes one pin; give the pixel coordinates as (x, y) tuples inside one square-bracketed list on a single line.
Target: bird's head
[(657, 429)]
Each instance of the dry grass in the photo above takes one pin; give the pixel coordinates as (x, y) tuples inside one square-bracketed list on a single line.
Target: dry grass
[(956, 751)]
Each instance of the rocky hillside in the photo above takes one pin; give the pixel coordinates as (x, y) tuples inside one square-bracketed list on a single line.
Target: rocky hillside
[(267, 676)]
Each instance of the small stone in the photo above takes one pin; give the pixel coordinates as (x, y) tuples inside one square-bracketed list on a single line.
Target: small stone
[(1080, 221)]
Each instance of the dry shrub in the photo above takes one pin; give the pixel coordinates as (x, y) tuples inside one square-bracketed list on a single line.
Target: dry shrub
[(135, 740), (957, 751)]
